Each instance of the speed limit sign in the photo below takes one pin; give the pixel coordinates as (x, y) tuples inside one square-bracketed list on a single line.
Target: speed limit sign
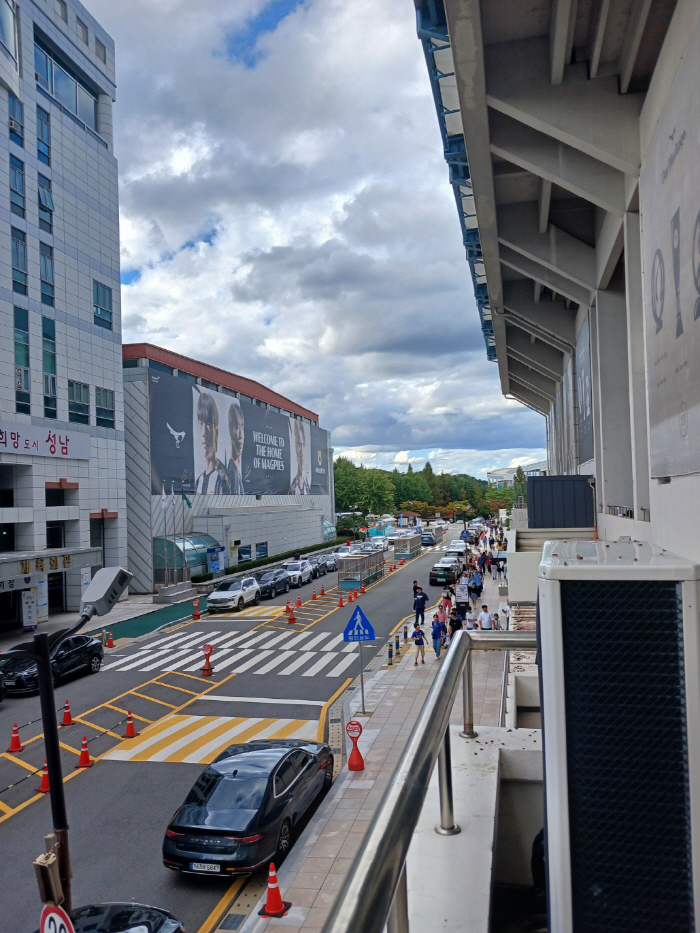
[(55, 920)]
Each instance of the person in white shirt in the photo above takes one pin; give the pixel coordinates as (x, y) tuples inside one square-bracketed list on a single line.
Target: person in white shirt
[(485, 619), (471, 620)]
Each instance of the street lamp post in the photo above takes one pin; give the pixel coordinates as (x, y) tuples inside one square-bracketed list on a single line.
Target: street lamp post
[(106, 587)]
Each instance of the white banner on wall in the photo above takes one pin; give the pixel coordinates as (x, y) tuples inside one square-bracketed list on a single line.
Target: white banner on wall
[(43, 442), (670, 214)]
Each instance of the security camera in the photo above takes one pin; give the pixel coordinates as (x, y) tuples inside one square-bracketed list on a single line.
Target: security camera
[(104, 590)]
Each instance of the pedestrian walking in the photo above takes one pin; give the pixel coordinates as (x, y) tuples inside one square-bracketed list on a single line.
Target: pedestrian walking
[(470, 619), (437, 628), (478, 583), (454, 625), (496, 621), (446, 599), (419, 604), (485, 619), (418, 636), (415, 588)]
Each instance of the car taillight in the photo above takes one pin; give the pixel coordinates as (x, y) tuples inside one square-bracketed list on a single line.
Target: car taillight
[(169, 832), (246, 840)]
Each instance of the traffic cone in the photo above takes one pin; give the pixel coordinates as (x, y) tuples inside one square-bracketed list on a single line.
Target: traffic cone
[(131, 732), (207, 670), (363, 590), (67, 718), (287, 608), (391, 568), (355, 593), (323, 592), (340, 601), (84, 761), (350, 596), (274, 905), (291, 615), (44, 786), (402, 562), (15, 744), (298, 602), (110, 641), (314, 595)]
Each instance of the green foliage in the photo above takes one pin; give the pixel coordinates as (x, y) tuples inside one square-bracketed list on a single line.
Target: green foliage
[(520, 482), (415, 505)]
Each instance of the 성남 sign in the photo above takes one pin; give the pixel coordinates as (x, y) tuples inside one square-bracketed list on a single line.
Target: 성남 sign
[(43, 442)]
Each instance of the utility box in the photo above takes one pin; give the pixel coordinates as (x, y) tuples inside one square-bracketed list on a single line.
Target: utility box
[(560, 502)]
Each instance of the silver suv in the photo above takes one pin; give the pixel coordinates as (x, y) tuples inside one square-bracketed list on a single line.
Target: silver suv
[(299, 571), (234, 594)]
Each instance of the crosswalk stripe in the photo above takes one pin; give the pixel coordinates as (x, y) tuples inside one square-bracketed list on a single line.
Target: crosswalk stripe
[(285, 636), (340, 667), (223, 649), (330, 646), (147, 653), (292, 730), (254, 728), (238, 656), (168, 662), (190, 737), (321, 663), (275, 662), (128, 750), (256, 659), (302, 659), (317, 640), (171, 640)]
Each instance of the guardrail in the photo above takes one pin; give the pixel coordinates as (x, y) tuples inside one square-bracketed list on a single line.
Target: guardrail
[(375, 891)]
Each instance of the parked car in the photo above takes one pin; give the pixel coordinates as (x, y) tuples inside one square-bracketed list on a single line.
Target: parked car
[(234, 594), (3, 688), (428, 538), (299, 572), (318, 567), (242, 810), (380, 542), (443, 572), (124, 918), (77, 654), (330, 560), (343, 549), (272, 582)]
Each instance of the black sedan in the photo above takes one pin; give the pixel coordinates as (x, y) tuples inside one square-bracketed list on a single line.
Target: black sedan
[(318, 566), (124, 918), (242, 810), (77, 654), (272, 582)]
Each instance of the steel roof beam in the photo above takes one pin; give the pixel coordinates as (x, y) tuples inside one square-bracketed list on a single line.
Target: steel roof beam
[(529, 398), (556, 162), (591, 116), (597, 36), (552, 322), (534, 353), (561, 34), (529, 377), (609, 245), (552, 280), (633, 38)]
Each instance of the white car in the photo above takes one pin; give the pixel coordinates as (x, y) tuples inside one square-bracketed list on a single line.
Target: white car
[(299, 572), (380, 543), (234, 594)]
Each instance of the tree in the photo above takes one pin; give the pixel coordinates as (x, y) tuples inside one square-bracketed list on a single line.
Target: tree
[(345, 476), (415, 505), (520, 482), (376, 493)]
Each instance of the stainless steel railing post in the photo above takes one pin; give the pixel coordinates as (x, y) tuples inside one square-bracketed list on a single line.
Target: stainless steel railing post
[(468, 700), (397, 921), (447, 826)]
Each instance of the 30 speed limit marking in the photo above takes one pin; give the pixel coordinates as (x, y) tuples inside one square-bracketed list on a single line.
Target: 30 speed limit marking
[(55, 920)]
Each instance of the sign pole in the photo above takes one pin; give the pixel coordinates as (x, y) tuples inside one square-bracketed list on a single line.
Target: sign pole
[(362, 681)]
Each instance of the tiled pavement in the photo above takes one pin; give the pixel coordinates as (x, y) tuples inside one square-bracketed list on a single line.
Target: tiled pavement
[(317, 867)]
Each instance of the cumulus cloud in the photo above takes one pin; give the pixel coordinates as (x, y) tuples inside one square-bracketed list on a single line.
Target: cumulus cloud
[(286, 215)]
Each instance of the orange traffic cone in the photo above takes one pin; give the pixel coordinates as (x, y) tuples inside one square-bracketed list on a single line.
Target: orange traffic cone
[(314, 595), (84, 761), (298, 602), (340, 601), (67, 718), (363, 590), (291, 615), (131, 732), (15, 744), (288, 608), (110, 641), (350, 596), (323, 592), (391, 568), (274, 905), (44, 786), (402, 561), (355, 594)]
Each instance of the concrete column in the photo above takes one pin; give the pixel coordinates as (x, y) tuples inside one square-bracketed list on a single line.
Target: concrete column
[(636, 365), (614, 456), (105, 125)]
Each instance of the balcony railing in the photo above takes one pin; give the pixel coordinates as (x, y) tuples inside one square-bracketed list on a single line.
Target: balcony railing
[(375, 892)]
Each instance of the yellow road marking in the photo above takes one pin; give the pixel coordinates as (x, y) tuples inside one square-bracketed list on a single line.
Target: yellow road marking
[(287, 730), (210, 736), (18, 761), (181, 689), (5, 808), (153, 699), (125, 712), (204, 680), (91, 725), (69, 749), (326, 706), (226, 901)]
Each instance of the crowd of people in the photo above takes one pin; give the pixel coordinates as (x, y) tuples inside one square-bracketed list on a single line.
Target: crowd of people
[(451, 616)]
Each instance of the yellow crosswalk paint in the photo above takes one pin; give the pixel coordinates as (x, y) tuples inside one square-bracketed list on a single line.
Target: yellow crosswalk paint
[(253, 612), (199, 739)]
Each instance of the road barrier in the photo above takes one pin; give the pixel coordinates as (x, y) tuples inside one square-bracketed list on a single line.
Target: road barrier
[(207, 670)]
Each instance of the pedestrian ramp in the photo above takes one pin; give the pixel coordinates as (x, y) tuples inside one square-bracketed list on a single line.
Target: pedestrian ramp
[(199, 739)]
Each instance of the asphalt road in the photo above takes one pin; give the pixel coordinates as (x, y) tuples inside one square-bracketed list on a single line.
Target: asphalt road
[(271, 679)]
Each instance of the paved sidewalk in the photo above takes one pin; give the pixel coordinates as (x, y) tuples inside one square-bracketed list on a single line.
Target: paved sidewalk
[(317, 867)]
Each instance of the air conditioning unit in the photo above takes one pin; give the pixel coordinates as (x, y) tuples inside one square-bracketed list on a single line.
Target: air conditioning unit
[(16, 127), (620, 691)]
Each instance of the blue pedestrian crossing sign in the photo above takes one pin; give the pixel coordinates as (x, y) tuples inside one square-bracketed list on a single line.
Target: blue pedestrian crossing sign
[(359, 627), (464, 534)]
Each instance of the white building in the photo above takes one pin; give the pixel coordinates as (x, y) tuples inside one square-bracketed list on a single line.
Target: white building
[(62, 487)]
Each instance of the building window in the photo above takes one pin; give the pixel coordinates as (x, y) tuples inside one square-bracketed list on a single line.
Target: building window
[(161, 367), (82, 31), (67, 90), (78, 402), (22, 361), (16, 113), (7, 537), (48, 347), (104, 408), (16, 186), (46, 273), (55, 498), (7, 27), (43, 136), (55, 535), (102, 305), (45, 204), (61, 9), (101, 50), (188, 377), (19, 261)]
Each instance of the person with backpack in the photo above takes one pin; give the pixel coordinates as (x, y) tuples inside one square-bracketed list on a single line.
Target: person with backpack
[(419, 603), (436, 632), (447, 598), (418, 636)]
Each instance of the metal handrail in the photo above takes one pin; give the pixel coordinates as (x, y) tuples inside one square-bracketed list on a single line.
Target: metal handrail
[(504, 688), (374, 892)]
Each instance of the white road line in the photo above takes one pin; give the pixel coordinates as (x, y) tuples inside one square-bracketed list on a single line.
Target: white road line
[(339, 668), (171, 640), (298, 636), (145, 654), (330, 646), (302, 659), (186, 739), (200, 664), (239, 655), (221, 740), (258, 656), (278, 638), (321, 663), (271, 665), (352, 646), (316, 641), (234, 642), (272, 701), (129, 753)]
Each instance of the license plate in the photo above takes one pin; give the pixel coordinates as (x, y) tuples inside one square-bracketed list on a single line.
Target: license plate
[(9, 683), (205, 866)]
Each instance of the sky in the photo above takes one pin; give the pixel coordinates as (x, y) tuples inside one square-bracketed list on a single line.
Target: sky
[(286, 215)]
